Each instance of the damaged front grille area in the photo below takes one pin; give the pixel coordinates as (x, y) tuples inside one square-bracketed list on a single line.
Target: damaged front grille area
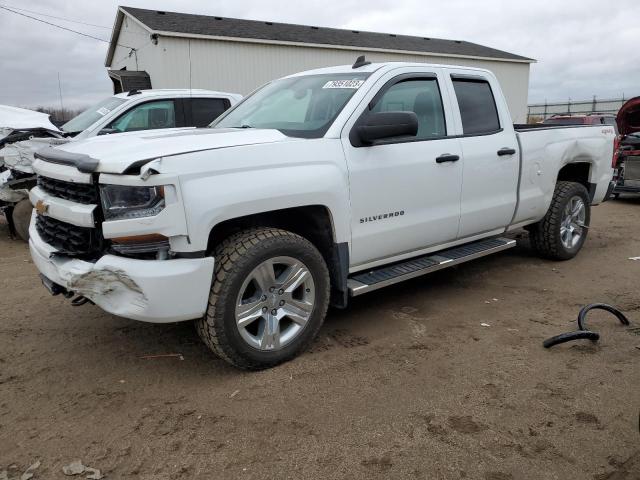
[(85, 193), (69, 239)]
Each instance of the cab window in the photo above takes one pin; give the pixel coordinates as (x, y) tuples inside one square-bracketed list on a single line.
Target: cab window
[(421, 96), (206, 110), (477, 106), (146, 116)]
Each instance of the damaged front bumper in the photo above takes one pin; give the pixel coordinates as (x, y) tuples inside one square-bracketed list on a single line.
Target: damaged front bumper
[(157, 291)]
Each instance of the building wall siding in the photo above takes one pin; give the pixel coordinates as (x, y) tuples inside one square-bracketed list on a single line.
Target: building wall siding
[(241, 67)]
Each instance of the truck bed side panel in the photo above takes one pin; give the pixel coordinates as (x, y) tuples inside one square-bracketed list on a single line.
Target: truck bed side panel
[(546, 151)]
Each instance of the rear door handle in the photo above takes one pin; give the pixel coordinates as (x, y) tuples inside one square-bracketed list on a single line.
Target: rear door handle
[(447, 157), (506, 151)]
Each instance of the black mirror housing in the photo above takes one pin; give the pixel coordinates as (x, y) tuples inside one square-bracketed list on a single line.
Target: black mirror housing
[(381, 125)]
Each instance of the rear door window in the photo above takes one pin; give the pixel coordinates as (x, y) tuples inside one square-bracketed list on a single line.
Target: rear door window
[(206, 110), (477, 106)]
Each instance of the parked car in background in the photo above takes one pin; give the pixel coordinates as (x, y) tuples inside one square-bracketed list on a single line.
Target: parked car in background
[(20, 125), (588, 119), (25, 132), (318, 187), (627, 167)]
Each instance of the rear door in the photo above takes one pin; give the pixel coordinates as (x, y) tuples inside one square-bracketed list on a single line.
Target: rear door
[(490, 151), (200, 112), (404, 197)]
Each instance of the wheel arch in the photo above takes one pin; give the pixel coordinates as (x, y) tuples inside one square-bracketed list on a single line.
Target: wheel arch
[(578, 172), (313, 222)]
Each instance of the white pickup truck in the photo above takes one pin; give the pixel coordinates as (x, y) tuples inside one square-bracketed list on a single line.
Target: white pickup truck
[(319, 186)]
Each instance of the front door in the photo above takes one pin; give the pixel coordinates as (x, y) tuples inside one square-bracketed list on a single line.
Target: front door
[(405, 192)]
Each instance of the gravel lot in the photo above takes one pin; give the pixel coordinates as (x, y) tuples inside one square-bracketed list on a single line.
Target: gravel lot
[(406, 383)]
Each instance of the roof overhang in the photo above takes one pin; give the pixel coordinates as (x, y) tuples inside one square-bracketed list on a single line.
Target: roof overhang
[(122, 12)]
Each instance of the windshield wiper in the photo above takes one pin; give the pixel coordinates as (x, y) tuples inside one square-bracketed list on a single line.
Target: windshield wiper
[(246, 126)]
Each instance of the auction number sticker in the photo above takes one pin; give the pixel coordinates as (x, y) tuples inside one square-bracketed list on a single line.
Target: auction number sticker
[(103, 111), (355, 84)]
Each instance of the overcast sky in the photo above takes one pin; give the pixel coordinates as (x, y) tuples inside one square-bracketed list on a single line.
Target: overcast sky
[(583, 47)]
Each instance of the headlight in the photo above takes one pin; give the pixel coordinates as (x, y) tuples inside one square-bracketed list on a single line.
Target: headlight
[(121, 202)]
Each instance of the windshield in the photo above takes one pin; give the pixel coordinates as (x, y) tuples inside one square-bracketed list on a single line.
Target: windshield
[(298, 106), (92, 114)]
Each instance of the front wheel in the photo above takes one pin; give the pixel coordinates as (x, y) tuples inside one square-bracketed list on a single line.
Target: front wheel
[(563, 230), (268, 299)]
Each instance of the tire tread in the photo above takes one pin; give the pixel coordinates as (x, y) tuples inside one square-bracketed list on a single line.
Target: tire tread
[(542, 235)]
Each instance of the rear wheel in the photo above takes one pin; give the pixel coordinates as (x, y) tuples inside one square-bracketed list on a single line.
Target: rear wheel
[(563, 230), (268, 299), (21, 216)]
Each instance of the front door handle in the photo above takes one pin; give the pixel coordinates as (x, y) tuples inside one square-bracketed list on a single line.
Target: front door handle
[(506, 151), (447, 157)]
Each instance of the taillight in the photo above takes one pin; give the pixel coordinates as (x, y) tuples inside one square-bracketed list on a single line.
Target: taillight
[(616, 151)]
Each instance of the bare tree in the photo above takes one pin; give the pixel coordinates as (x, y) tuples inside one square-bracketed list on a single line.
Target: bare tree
[(58, 115)]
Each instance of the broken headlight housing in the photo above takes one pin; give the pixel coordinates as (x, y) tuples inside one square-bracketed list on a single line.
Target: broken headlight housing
[(122, 202)]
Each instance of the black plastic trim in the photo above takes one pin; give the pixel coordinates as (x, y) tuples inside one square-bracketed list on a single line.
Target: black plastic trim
[(447, 158), (467, 76), (198, 254), (339, 275), (528, 127), (81, 161), (592, 190)]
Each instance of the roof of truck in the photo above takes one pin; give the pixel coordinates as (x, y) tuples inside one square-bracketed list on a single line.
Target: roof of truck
[(373, 67)]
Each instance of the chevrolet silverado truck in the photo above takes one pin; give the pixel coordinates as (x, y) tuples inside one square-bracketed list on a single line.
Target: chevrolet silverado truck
[(318, 187), (24, 132)]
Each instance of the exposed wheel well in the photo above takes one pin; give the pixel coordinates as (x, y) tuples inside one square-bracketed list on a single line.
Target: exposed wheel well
[(312, 222), (575, 172)]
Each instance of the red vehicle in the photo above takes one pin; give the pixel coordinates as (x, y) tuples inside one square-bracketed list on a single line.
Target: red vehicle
[(588, 119), (627, 154)]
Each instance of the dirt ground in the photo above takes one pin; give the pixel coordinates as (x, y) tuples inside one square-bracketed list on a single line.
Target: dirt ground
[(406, 383)]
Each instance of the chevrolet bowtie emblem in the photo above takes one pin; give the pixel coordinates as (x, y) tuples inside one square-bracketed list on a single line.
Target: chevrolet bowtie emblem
[(41, 207)]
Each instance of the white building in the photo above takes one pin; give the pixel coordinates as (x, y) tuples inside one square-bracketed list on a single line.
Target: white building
[(176, 50)]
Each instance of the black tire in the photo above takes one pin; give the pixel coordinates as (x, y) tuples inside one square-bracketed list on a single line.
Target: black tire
[(235, 258), (545, 235), (21, 216)]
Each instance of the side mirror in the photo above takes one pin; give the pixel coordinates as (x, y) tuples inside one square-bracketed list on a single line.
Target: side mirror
[(381, 125)]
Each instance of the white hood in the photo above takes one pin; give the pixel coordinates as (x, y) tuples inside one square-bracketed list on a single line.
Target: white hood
[(115, 153), (13, 118)]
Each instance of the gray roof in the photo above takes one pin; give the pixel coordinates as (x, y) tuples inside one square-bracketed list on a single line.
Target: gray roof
[(185, 23)]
